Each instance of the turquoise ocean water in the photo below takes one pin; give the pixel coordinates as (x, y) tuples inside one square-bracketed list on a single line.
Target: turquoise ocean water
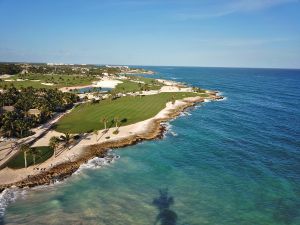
[(235, 161)]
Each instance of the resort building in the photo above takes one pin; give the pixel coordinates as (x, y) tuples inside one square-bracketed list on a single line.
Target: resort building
[(7, 109), (34, 112)]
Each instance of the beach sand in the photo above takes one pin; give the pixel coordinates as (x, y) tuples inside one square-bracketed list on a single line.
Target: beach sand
[(103, 83)]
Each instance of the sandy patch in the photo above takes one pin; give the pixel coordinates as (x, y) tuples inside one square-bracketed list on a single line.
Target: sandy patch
[(175, 89), (48, 84), (168, 82), (107, 83), (5, 76)]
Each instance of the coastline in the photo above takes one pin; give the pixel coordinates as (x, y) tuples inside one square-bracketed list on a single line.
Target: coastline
[(147, 130)]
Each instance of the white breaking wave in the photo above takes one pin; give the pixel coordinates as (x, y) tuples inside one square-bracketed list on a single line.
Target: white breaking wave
[(186, 113), (221, 94), (169, 130), (167, 125), (98, 162), (9, 196), (223, 99), (173, 133)]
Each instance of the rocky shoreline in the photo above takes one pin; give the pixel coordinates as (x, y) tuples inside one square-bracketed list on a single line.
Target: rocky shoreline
[(60, 172)]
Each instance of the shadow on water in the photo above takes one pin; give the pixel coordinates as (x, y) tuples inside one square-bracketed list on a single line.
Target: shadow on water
[(166, 216)]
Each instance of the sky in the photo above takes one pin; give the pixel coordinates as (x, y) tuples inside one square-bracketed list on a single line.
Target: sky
[(222, 33)]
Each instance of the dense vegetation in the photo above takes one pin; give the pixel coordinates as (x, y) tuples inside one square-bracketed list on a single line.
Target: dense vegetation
[(40, 68), (71, 69), (88, 117), (37, 80), (6, 68), (17, 121)]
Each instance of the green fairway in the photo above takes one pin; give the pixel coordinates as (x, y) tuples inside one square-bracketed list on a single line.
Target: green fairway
[(131, 86), (36, 80), (42, 154), (87, 117)]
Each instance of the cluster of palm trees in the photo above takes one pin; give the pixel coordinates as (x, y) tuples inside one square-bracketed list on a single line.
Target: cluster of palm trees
[(116, 120), (144, 87), (25, 148), (17, 122), (198, 90), (54, 143), (104, 121), (64, 140)]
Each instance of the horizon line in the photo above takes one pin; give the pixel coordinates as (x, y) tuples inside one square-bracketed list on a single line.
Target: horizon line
[(195, 66)]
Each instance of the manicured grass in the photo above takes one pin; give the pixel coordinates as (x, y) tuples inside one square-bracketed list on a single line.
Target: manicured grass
[(87, 117), (127, 86), (146, 80), (130, 86), (57, 80), (24, 84), (45, 152)]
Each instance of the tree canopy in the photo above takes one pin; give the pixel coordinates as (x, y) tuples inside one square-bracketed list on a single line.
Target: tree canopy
[(30, 107)]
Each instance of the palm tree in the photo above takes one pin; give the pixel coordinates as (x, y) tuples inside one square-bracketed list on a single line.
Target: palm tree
[(110, 97), (34, 152), (21, 127), (66, 138), (54, 141), (104, 121), (8, 125), (116, 120), (146, 87), (96, 133), (173, 99), (25, 148)]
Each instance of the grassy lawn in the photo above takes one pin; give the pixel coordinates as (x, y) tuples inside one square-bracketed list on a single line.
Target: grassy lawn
[(57, 80), (87, 117), (45, 152), (19, 84), (130, 86)]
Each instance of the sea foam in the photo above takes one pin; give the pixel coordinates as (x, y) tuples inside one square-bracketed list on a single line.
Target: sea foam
[(98, 162), (9, 196)]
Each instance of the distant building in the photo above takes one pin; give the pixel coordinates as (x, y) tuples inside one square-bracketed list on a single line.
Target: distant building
[(34, 112), (55, 64), (120, 67), (8, 108), (24, 71)]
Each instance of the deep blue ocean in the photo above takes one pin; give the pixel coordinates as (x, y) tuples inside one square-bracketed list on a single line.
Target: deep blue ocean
[(231, 162)]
